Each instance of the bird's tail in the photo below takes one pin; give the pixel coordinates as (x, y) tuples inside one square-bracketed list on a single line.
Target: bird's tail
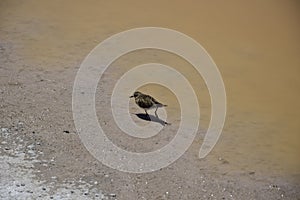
[(161, 105)]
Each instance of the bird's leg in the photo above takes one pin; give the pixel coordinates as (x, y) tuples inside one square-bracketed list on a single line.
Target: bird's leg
[(146, 112), (156, 112)]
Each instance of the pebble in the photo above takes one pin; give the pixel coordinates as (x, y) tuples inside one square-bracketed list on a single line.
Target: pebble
[(112, 195), (31, 146), (4, 130), (31, 152), (274, 186)]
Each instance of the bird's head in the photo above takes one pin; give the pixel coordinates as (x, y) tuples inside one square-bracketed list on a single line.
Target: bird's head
[(135, 94)]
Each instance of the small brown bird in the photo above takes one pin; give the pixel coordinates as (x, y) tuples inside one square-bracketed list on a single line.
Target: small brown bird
[(146, 102)]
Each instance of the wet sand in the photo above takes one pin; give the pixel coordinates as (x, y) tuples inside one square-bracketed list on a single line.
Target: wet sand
[(255, 46)]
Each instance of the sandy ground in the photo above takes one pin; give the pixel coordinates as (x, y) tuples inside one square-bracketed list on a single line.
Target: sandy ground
[(256, 47)]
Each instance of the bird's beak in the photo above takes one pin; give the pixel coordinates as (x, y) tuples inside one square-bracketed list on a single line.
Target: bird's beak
[(131, 96)]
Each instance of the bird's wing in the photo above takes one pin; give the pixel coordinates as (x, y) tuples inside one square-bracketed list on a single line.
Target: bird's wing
[(155, 101), (145, 101)]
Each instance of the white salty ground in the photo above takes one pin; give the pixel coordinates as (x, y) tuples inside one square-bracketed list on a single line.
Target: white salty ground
[(42, 45)]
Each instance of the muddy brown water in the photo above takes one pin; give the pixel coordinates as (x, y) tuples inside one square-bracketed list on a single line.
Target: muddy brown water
[(256, 46)]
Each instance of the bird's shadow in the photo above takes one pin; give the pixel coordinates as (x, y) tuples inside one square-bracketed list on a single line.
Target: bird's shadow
[(151, 118)]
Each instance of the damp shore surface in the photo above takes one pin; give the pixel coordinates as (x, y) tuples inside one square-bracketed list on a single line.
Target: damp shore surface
[(255, 46)]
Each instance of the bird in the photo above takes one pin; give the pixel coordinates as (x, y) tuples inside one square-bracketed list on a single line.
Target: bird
[(146, 102)]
